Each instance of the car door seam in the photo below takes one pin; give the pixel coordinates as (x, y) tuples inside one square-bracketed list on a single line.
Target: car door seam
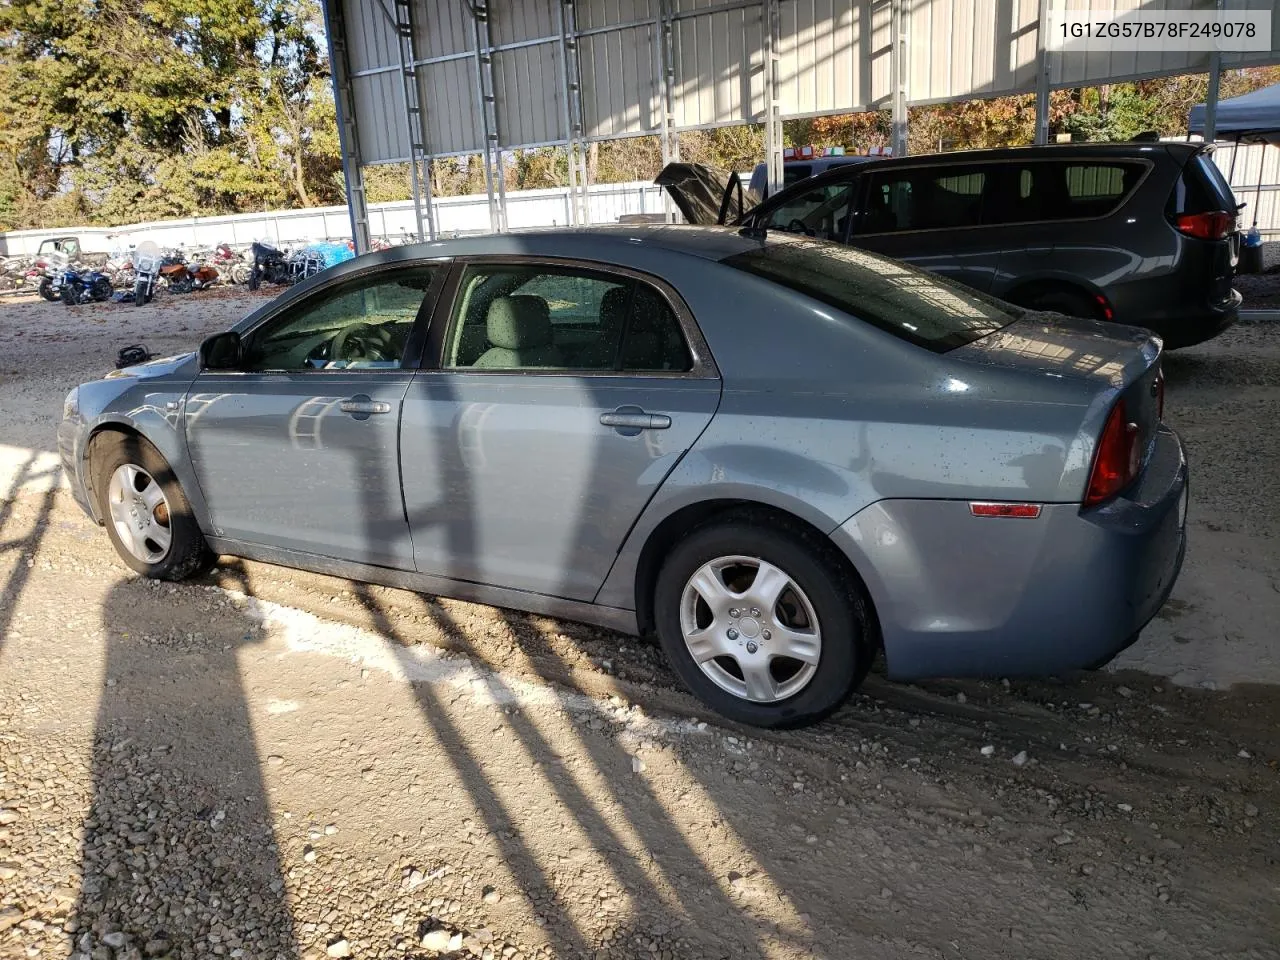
[(626, 538)]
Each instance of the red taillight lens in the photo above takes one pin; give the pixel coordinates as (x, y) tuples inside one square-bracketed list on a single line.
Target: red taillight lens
[(1116, 461), (1206, 226)]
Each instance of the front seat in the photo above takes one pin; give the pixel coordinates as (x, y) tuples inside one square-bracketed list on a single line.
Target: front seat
[(519, 331)]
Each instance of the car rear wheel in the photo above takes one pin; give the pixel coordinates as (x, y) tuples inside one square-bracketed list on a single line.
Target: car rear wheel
[(761, 623), (147, 515)]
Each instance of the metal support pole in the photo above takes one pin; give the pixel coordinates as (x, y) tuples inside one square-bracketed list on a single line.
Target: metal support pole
[(899, 11), (344, 105), (402, 20), (494, 176), (773, 105), (1211, 98), (575, 147), (669, 138), (1042, 75)]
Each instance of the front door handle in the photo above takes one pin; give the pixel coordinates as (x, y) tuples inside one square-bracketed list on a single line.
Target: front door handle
[(633, 419), (361, 407)]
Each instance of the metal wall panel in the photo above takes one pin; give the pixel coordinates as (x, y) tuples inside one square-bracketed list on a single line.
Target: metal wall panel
[(515, 21), (443, 28), (371, 43), (719, 67), (832, 52), (620, 67), (380, 119), (596, 14), (834, 58), (451, 99), (529, 85)]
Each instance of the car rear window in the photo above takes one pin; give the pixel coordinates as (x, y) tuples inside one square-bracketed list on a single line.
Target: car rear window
[(922, 308), (1064, 190)]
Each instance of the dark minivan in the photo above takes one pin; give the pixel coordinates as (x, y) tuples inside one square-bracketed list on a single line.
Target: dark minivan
[(1139, 233)]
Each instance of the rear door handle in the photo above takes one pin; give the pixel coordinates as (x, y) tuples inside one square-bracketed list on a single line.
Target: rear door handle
[(361, 407), (635, 420)]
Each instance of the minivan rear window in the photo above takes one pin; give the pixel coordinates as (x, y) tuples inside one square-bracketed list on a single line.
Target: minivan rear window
[(922, 308), (1064, 190), (1202, 188)]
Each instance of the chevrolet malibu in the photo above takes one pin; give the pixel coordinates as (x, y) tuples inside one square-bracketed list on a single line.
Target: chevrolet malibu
[(780, 455)]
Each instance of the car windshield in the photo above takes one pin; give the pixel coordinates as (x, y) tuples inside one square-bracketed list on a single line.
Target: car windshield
[(920, 307)]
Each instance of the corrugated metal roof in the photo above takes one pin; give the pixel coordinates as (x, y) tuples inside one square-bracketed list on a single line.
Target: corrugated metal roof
[(834, 58)]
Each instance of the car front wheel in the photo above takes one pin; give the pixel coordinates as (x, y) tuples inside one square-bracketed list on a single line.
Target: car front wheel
[(762, 624), (147, 515)]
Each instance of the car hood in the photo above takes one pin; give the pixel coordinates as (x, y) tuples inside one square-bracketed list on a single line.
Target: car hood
[(704, 195), (157, 367)]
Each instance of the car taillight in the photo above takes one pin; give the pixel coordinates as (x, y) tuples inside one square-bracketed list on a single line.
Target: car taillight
[(1116, 462), (1206, 226)]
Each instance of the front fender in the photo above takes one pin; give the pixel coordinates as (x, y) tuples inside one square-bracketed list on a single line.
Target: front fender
[(152, 409)]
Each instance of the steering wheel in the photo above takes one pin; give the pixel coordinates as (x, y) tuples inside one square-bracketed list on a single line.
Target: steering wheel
[(797, 226), (366, 341)]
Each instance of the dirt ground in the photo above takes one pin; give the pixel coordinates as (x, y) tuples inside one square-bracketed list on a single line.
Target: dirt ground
[(274, 764)]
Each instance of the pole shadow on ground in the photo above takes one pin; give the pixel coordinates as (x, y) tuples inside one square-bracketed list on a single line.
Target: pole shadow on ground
[(179, 854)]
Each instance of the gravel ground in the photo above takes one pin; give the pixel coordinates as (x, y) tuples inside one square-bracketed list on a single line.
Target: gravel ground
[(275, 764)]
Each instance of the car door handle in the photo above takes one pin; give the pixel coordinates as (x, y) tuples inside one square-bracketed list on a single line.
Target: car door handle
[(635, 421), (363, 405)]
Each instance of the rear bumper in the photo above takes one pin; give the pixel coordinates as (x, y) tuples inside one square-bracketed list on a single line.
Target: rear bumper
[(1186, 331), (964, 596)]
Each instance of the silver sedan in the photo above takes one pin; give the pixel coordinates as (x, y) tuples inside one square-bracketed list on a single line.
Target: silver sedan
[(779, 455)]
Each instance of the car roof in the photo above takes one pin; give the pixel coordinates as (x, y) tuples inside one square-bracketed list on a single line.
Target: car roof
[(609, 243)]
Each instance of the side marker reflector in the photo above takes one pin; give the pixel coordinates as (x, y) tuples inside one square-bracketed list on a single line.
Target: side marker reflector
[(1025, 510)]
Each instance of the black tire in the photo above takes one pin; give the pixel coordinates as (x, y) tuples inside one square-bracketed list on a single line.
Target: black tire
[(1064, 300), (188, 554), (69, 295), (844, 617), (46, 290), (139, 294), (255, 280)]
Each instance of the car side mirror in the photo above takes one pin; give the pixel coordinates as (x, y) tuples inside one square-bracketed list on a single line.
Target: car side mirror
[(222, 351)]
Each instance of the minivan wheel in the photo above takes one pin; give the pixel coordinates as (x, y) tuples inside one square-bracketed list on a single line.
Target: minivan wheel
[(146, 513), (1070, 303), (761, 624)]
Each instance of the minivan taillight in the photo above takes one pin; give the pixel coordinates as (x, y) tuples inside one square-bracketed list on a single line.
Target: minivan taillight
[(1116, 462), (1206, 226)]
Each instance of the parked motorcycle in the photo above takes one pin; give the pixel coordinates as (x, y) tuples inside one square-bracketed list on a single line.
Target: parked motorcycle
[(269, 266), (84, 286), (179, 276), (146, 272)]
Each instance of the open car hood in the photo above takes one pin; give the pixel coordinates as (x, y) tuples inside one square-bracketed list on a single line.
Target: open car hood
[(705, 196)]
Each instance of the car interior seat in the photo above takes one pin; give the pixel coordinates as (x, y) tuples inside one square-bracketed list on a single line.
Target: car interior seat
[(519, 331)]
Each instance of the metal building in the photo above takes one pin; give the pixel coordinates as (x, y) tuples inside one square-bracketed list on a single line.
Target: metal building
[(419, 79)]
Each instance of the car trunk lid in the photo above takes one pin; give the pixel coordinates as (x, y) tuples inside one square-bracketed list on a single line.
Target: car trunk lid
[(704, 195), (1120, 362)]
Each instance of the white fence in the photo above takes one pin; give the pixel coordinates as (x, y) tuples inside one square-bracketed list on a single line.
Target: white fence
[(454, 215), (1254, 165)]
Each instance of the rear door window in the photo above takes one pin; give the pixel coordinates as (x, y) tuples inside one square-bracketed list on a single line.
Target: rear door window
[(1039, 190), (929, 198)]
